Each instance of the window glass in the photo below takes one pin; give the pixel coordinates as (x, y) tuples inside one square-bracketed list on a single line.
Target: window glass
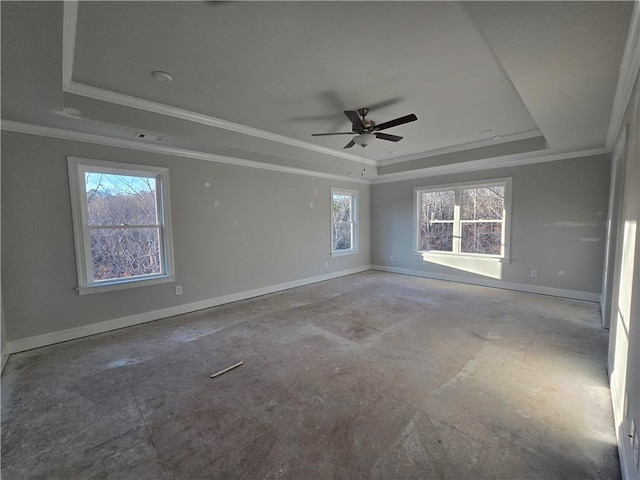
[(486, 203), (343, 221), (437, 215), (120, 199), (121, 224), (463, 218)]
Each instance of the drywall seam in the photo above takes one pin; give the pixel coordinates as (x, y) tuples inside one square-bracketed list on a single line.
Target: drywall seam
[(520, 287), (43, 340), (83, 137)]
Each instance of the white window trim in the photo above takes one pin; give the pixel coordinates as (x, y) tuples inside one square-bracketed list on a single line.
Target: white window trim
[(354, 219), (84, 263), (505, 257)]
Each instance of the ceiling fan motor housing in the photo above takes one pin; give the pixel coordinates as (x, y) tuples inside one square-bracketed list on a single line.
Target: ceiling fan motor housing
[(368, 126)]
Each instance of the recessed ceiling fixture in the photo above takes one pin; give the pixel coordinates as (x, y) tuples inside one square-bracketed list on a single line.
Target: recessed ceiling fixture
[(161, 76), (486, 132)]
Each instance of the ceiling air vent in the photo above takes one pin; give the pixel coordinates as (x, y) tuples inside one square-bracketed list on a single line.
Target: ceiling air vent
[(150, 137)]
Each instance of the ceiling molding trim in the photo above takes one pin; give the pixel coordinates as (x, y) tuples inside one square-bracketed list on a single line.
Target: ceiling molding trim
[(83, 137), (486, 164), (97, 93), (629, 69), (69, 23), (462, 147)]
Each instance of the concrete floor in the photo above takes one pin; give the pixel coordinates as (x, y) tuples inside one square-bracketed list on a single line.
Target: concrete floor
[(374, 375)]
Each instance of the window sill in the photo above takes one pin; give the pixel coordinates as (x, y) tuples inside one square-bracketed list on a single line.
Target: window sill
[(467, 256), (126, 284), (340, 253)]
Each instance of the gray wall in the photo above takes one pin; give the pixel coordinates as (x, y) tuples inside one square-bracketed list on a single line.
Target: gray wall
[(4, 354), (249, 229), (624, 340), (558, 226)]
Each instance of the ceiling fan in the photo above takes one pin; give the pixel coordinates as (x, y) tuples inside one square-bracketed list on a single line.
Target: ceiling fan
[(366, 130)]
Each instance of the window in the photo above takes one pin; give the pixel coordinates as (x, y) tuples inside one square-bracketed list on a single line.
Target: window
[(121, 224), (344, 204), (464, 219)]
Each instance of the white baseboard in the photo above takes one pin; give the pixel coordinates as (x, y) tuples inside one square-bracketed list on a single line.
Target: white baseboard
[(487, 282), (37, 341), (29, 343), (625, 456), (625, 452)]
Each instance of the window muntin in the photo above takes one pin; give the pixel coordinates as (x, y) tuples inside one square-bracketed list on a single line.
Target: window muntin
[(122, 224), (343, 221), (466, 218)]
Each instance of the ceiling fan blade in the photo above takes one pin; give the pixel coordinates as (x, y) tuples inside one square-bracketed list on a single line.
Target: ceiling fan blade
[(396, 122), (324, 134), (349, 145), (386, 136), (355, 119)]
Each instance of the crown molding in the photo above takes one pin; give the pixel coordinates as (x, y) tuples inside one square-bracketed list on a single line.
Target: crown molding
[(486, 164), (462, 147), (102, 94), (83, 137), (629, 68), (472, 166), (70, 21)]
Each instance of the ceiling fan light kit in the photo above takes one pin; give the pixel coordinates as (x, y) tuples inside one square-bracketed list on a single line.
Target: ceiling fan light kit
[(366, 130), (364, 139)]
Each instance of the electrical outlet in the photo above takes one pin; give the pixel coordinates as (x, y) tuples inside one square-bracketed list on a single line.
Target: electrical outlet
[(534, 273), (326, 264), (391, 258), (179, 290)]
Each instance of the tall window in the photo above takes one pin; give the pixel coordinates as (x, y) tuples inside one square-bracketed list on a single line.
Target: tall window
[(466, 218), (344, 204), (121, 223)]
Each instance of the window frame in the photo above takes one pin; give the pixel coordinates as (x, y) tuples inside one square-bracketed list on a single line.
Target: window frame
[(458, 188), (354, 221), (77, 167)]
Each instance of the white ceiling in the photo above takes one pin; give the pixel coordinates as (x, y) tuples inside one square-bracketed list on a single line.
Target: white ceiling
[(253, 80)]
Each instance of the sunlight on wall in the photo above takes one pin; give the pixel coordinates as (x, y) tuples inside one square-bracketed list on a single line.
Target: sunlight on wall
[(486, 267), (618, 374)]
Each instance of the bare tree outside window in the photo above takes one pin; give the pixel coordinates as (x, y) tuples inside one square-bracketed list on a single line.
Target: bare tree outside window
[(436, 220), (481, 223), (463, 218), (342, 211), (124, 230)]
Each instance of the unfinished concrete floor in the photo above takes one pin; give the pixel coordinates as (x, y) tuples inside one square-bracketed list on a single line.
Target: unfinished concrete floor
[(373, 375)]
